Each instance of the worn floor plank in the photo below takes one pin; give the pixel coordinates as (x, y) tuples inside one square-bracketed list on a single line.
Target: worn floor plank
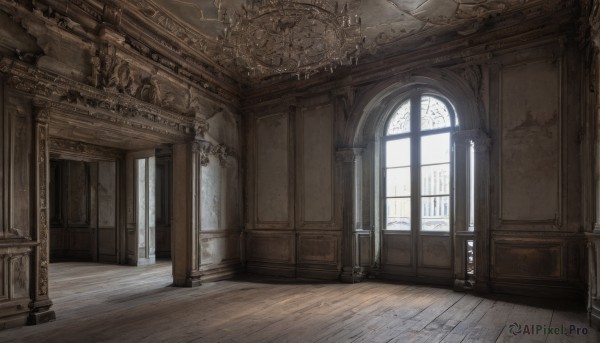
[(104, 303)]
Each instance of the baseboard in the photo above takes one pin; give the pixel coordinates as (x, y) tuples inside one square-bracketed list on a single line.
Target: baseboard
[(14, 313), (271, 269), (426, 280), (220, 272), (564, 292), (13, 321), (317, 273)]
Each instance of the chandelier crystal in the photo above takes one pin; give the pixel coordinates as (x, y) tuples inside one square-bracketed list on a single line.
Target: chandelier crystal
[(270, 37)]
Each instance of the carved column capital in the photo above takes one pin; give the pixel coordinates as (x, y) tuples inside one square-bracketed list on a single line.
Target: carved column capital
[(480, 139), (42, 113), (348, 155), (202, 148), (205, 149)]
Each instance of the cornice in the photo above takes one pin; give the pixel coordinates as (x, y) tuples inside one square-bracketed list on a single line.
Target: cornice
[(56, 92), (120, 23)]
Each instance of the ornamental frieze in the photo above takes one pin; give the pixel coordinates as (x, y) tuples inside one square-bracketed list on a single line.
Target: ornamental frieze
[(68, 96)]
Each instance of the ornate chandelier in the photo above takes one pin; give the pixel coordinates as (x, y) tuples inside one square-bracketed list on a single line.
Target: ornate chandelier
[(299, 37)]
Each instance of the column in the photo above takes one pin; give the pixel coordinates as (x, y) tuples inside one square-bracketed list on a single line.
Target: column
[(349, 160), (482, 211)]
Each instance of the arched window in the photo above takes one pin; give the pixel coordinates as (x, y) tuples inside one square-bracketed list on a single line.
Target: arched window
[(417, 168)]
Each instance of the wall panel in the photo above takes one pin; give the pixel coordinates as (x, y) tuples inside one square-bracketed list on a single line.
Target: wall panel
[(531, 260), (435, 251), (20, 150), (530, 142), (272, 170), (319, 249), (315, 164), (273, 247), (217, 249), (396, 250)]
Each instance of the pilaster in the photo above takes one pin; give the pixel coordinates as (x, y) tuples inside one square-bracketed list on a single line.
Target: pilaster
[(185, 214), (350, 160), (482, 147), (40, 305)]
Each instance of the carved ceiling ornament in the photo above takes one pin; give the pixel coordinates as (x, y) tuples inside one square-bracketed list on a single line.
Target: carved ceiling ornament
[(296, 37)]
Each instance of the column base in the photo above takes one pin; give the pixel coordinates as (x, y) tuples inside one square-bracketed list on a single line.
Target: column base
[(351, 275), (594, 316), (41, 313)]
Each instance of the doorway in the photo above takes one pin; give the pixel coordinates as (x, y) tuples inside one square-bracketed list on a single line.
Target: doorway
[(111, 211)]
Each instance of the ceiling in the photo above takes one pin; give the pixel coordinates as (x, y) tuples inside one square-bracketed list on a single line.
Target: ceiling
[(383, 21)]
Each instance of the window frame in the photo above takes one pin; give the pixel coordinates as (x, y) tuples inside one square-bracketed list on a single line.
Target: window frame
[(415, 136)]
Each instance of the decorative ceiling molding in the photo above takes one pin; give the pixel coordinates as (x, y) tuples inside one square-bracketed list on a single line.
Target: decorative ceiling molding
[(186, 36), (386, 23)]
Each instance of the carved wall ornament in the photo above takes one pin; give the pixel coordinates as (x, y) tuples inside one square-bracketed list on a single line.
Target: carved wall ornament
[(221, 151), (149, 91), (159, 17), (201, 127), (207, 149), (112, 14), (61, 95), (30, 86), (118, 76), (42, 227), (203, 149)]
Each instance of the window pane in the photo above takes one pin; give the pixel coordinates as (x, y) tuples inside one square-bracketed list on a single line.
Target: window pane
[(400, 120), (435, 213), (435, 179), (398, 214), (435, 149), (434, 114), (397, 153), (398, 182)]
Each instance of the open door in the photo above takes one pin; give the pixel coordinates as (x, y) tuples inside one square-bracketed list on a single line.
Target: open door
[(141, 223)]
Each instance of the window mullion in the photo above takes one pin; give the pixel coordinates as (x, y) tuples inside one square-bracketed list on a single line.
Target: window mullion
[(415, 128)]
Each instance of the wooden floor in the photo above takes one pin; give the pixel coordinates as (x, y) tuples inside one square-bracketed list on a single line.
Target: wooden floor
[(104, 303)]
